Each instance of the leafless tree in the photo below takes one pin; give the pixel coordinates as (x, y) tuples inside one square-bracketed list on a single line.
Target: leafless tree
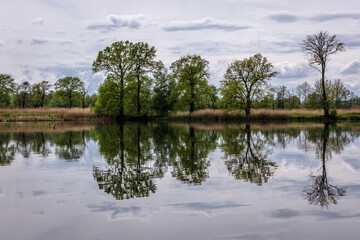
[(318, 48)]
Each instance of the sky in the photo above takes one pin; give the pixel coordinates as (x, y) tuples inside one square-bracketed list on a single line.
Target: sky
[(52, 39)]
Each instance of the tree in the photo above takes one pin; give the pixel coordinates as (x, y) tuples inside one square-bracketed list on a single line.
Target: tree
[(245, 79), (339, 92), (319, 47), (68, 85), (191, 73), (40, 90), (116, 60), (25, 88), (164, 85), (7, 86), (83, 91), (304, 89), (143, 62)]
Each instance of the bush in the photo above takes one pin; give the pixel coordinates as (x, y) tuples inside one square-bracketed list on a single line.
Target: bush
[(333, 113)]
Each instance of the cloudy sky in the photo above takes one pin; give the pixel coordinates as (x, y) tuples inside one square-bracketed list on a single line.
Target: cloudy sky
[(50, 39)]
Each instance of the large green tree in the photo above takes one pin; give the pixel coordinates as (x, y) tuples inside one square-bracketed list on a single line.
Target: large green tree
[(143, 57), (117, 61), (7, 86), (68, 87), (244, 81), (191, 73), (319, 47), (40, 91)]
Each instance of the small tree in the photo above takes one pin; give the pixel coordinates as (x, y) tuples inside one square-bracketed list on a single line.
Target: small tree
[(319, 47), (40, 91), (83, 91), (245, 79), (69, 85), (191, 73), (7, 86), (25, 89)]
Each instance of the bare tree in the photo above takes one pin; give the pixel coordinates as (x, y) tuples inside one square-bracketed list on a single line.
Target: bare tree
[(319, 47), (84, 90)]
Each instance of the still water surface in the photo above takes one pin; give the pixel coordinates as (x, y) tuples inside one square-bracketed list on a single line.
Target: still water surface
[(178, 181)]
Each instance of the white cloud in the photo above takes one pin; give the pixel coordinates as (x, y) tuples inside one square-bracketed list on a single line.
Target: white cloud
[(351, 68), (38, 21), (114, 22), (293, 70), (2, 44), (203, 24)]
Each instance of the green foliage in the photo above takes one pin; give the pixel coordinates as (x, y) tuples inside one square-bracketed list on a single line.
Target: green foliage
[(333, 113), (164, 85), (244, 82), (191, 73), (7, 86), (109, 101), (68, 90)]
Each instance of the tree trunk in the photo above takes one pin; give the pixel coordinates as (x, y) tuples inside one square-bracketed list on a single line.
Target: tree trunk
[(192, 99), (42, 100), (138, 95), (83, 101), (248, 106), (325, 103), (121, 110)]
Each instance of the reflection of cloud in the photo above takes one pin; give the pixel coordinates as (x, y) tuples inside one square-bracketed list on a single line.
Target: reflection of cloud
[(118, 212), (114, 22), (204, 208), (203, 24), (38, 21), (38, 193), (354, 163), (38, 213), (284, 213), (41, 41), (334, 215), (352, 68)]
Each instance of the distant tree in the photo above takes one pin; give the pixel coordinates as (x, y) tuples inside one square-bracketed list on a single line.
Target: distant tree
[(213, 98), (117, 61), (40, 90), (69, 86), (84, 91), (282, 95), (191, 73), (163, 86), (25, 90), (319, 47), (143, 57), (7, 86), (304, 89), (245, 79), (339, 92)]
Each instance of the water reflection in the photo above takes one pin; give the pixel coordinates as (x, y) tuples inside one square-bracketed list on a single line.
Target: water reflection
[(137, 155), (320, 191), (246, 155)]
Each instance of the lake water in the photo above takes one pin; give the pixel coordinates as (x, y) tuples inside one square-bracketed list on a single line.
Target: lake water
[(180, 181)]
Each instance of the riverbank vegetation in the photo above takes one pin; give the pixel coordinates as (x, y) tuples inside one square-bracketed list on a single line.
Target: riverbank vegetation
[(137, 85)]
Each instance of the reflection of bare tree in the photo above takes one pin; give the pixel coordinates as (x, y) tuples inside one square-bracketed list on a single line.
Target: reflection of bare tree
[(320, 191), (246, 155)]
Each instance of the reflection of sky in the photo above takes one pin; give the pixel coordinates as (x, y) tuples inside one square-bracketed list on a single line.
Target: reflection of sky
[(50, 198)]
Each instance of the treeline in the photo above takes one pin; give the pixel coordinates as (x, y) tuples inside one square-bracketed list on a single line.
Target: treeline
[(138, 85), (65, 93)]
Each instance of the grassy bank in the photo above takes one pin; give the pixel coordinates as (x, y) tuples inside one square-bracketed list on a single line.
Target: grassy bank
[(266, 115), (48, 114), (204, 115)]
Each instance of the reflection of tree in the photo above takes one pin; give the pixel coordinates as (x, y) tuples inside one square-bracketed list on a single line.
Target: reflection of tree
[(246, 155), (69, 145), (192, 149), (126, 149), (320, 191), (7, 150)]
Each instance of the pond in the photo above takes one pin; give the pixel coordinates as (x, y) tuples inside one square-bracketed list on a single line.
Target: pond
[(180, 181)]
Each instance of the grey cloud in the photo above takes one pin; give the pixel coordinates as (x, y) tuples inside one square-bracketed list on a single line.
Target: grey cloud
[(38, 21), (203, 24), (2, 44), (114, 22), (284, 18), (206, 206), (41, 41), (351, 68), (38, 193), (334, 16), (19, 41)]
